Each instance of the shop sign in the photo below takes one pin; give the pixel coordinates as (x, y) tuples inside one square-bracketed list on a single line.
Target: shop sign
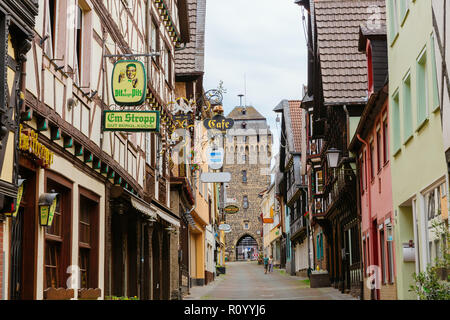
[(219, 122), (224, 227), (131, 120), (129, 82), (268, 220), (28, 141), (231, 209), (19, 198)]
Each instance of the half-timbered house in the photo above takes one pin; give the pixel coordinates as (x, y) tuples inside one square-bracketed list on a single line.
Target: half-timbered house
[(113, 227), (17, 20), (337, 81)]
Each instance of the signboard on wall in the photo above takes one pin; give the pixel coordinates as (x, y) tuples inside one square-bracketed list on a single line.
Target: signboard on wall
[(129, 82), (231, 209), (130, 120)]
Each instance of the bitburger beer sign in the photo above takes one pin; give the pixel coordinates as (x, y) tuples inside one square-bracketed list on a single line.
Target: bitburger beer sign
[(129, 83), (131, 120)]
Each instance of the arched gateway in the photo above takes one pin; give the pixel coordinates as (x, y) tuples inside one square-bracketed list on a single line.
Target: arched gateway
[(246, 248)]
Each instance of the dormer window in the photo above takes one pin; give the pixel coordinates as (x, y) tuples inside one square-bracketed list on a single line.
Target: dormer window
[(369, 68)]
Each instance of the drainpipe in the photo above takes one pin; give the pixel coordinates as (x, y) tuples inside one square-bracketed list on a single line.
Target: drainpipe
[(369, 160)]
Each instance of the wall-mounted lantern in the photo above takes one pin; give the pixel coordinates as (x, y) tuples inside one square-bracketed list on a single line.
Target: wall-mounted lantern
[(333, 157), (47, 206)]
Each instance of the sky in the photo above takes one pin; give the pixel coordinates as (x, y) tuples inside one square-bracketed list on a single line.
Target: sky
[(257, 48)]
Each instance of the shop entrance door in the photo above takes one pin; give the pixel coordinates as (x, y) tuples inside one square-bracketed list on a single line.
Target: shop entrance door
[(15, 285)]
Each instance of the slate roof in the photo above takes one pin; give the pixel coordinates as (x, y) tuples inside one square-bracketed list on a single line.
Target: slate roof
[(250, 114), (191, 59), (344, 69)]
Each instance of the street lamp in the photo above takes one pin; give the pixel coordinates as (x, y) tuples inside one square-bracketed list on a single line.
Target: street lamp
[(47, 206), (333, 157)]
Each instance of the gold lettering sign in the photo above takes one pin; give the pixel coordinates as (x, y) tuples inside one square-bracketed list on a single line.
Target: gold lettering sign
[(129, 82), (28, 141), (218, 122)]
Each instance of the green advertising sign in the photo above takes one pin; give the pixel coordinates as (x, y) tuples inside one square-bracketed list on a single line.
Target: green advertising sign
[(131, 120)]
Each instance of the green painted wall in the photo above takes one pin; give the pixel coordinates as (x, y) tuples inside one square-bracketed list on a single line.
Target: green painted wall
[(419, 162)]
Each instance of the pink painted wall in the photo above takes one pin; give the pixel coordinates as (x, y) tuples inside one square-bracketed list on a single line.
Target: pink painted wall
[(381, 205)]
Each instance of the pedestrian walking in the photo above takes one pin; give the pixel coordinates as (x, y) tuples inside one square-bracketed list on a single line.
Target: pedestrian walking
[(266, 263), (271, 264)]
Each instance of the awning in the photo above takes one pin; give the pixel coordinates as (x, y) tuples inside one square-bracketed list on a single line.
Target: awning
[(165, 214), (143, 207), (168, 218)]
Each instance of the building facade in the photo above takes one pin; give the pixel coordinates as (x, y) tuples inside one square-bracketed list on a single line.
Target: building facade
[(247, 157), (416, 139), (17, 21), (371, 146)]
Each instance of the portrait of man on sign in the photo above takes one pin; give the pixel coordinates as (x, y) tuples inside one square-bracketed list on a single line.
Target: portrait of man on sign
[(129, 82), (131, 75)]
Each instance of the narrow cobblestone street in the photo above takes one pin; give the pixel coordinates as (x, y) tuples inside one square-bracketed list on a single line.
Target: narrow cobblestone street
[(246, 280)]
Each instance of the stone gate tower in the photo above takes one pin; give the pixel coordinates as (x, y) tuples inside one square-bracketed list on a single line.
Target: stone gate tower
[(248, 150)]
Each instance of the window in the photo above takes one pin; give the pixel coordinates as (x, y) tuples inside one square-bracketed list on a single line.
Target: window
[(246, 227), (148, 152), (154, 44), (396, 122), (431, 204), (51, 28), (422, 89), (363, 171), (393, 20), (379, 149), (390, 256), (404, 7), (78, 45), (244, 175), (166, 63), (434, 80), (385, 140), (372, 159), (245, 202), (319, 181), (57, 236), (383, 263), (365, 262), (88, 238), (407, 109)]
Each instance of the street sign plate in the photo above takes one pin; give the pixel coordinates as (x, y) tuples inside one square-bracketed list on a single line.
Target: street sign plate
[(215, 177)]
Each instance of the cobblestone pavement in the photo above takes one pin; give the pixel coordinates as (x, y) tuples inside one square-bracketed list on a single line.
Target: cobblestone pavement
[(247, 281)]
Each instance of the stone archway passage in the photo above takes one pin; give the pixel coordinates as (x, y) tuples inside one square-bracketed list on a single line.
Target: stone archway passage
[(246, 248)]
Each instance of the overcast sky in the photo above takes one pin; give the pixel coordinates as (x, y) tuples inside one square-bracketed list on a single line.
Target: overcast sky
[(263, 40)]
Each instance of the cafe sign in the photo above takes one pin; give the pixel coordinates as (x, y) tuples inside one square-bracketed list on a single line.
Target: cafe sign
[(131, 120), (218, 122), (231, 209), (129, 82), (28, 141)]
